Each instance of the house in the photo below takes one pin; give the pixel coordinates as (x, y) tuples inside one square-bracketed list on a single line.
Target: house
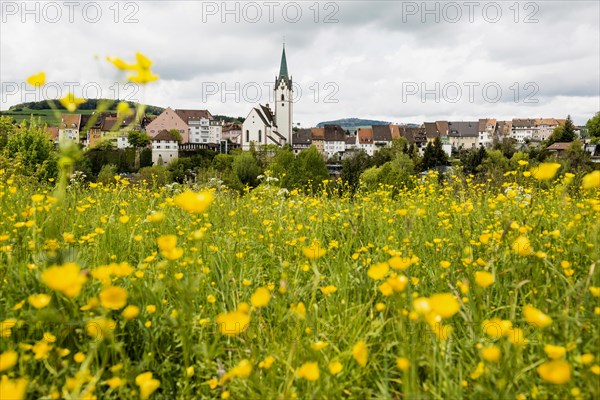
[(523, 129), (382, 136), (463, 134), (350, 146), (545, 127), (558, 148), (198, 126), (168, 120), (301, 140), (68, 128), (334, 141), (318, 139), (431, 131), (487, 132), (364, 140), (263, 126), (52, 132), (232, 132), (165, 148), (415, 135), (503, 129)]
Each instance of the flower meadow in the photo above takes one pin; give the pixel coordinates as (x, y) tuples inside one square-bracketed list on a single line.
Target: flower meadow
[(447, 290)]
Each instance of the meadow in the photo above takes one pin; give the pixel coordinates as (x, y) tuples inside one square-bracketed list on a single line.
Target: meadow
[(443, 291)]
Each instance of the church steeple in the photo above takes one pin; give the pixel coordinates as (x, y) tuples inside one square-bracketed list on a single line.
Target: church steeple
[(283, 71)]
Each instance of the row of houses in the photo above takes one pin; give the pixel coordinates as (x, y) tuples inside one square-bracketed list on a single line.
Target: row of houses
[(332, 140)]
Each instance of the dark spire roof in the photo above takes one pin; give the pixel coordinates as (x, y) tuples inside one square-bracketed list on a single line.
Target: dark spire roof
[(283, 72)]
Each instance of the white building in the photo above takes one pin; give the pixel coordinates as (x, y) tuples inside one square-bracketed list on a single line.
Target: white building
[(122, 142), (545, 127), (364, 140), (263, 126), (487, 130), (335, 141), (523, 129), (165, 148), (69, 127)]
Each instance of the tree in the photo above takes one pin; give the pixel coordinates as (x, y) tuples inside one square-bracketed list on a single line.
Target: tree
[(138, 139), (563, 133), (593, 125), (246, 168), (353, 167), (7, 129), (30, 145), (472, 159), (176, 134), (434, 155), (312, 168)]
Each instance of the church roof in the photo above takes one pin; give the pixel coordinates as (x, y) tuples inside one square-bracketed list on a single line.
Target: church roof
[(283, 71)]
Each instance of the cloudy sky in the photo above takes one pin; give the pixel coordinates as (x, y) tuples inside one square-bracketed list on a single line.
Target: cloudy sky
[(390, 60)]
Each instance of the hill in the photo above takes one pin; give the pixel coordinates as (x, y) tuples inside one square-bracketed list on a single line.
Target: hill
[(352, 123), (43, 110)]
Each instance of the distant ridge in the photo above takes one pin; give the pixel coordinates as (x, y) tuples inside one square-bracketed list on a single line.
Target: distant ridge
[(352, 122)]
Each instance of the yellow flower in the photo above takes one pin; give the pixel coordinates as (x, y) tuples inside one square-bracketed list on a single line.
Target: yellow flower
[(444, 304), (522, 246), (327, 290), (79, 357), (516, 336), (479, 370), (120, 64), (13, 389), (403, 364), (115, 382), (113, 297), (555, 352), (70, 102), (535, 317), (400, 263), (267, 362), (194, 203), (360, 353), (308, 371), (378, 271), (261, 297), (8, 359), (130, 312), (335, 367), (151, 308), (397, 282), (557, 372), (37, 198), (147, 384), (484, 278), (233, 323), (37, 79), (156, 217), (587, 358), (491, 353), (523, 162), (124, 219), (545, 171), (143, 76), (39, 300), (65, 279), (318, 345), (591, 180), (100, 328), (167, 245), (445, 264), (314, 251), (299, 309)]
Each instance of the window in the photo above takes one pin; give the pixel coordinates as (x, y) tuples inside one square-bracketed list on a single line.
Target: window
[(247, 135), (282, 97), (259, 136), (282, 105)]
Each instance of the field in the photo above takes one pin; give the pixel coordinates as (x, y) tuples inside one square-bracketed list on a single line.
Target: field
[(48, 117), (461, 290)]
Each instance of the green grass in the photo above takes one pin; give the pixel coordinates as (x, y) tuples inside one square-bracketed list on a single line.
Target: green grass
[(257, 240), (48, 117)]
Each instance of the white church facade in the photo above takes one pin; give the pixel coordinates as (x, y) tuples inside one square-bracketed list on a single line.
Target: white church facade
[(264, 126)]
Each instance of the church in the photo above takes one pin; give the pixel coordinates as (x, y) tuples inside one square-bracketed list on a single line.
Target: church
[(266, 126)]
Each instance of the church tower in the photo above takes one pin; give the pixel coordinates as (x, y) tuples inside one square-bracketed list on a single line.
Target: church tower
[(283, 101)]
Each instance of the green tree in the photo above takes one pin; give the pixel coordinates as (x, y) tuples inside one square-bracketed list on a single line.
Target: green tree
[(352, 169), (138, 139), (177, 135), (563, 133), (31, 147), (285, 168), (593, 125), (246, 168), (312, 168), (7, 129), (434, 155)]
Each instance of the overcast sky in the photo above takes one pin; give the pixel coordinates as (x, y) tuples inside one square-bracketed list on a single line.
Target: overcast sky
[(403, 62)]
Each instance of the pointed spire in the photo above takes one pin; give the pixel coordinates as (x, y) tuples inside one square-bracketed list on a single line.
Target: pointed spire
[(283, 71)]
